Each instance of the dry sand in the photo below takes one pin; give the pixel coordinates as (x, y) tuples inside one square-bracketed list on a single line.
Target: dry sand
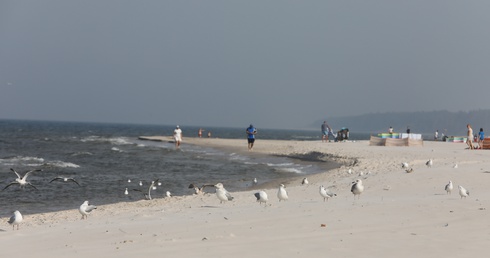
[(399, 214)]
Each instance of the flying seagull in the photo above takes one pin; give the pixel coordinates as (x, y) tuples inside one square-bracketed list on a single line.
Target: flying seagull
[(65, 179), (85, 209), (222, 194), (197, 189), (22, 180)]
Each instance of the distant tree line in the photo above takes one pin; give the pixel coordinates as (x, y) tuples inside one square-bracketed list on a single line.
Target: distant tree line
[(449, 123)]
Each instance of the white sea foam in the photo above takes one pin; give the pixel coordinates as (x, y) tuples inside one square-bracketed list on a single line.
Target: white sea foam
[(290, 170), (61, 164), (116, 140), (116, 149), (20, 160), (280, 164)]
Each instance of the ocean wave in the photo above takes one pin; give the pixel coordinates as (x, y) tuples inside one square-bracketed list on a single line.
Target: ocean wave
[(116, 149), (60, 164), (20, 160), (115, 140), (82, 153), (280, 164)]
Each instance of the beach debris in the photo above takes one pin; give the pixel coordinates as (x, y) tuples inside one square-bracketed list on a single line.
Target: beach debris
[(261, 197), (15, 220), (449, 187), (65, 179), (429, 163), (304, 181), (387, 187), (22, 180), (323, 225), (282, 194), (410, 170), (325, 193), (357, 188), (85, 209), (222, 194), (463, 192)]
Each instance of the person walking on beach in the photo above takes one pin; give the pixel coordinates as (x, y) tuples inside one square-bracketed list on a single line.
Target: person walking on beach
[(251, 132), (199, 133), (177, 136), (481, 138), (325, 130), (469, 141)]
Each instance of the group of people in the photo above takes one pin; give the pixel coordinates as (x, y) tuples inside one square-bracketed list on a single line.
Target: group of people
[(251, 131), (471, 138)]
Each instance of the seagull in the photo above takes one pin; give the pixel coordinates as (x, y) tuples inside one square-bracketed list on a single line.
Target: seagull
[(350, 171), (449, 187), (197, 189), (168, 194), (85, 209), (325, 193), (409, 170), (222, 194), (405, 165), (282, 194), (22, 181), (65, 179), (129, 180), (455, 166), (16, 219), (305, 181), (463, 192), (254, 182), (357, 188), (429, 163), (141, 183), (261, 197), (126, 191)]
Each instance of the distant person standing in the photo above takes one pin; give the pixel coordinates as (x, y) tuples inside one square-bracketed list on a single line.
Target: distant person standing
[(469, 141), (408, 130), (251, 132), (436, 135), (177, 136), (209, 134), (325, 130), (199, 133), (481, 138), (390, 130)]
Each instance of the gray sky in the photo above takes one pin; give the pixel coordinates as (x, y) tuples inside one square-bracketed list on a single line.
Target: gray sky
[(276, 64)]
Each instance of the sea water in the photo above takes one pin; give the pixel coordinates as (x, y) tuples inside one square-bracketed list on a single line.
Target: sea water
[(103, 158)]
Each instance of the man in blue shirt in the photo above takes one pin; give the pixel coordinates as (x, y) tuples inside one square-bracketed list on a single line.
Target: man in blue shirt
[(251, 132)]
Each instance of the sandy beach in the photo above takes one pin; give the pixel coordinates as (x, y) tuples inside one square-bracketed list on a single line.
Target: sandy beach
[(399, 214)]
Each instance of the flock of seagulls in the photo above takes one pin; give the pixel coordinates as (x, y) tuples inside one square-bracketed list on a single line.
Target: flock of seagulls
[(222, 194)]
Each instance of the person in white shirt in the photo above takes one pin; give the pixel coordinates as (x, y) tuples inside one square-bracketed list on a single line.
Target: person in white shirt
[(177, 136)]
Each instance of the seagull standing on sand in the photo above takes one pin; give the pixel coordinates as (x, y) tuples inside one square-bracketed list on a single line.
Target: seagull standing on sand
[(22, 180), (85, 209), (305, 181), (405, 165), (449, 187), (16, 219), (357, 188), (325, 193), (222, 194), (65, 179), (261, 197), (463, 192), (429, 163), (282, 194)]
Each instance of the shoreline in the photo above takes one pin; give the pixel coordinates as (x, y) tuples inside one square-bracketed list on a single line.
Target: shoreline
[(398, 214)]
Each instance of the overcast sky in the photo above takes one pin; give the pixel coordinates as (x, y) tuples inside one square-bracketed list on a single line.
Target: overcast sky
[(276, 64)]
